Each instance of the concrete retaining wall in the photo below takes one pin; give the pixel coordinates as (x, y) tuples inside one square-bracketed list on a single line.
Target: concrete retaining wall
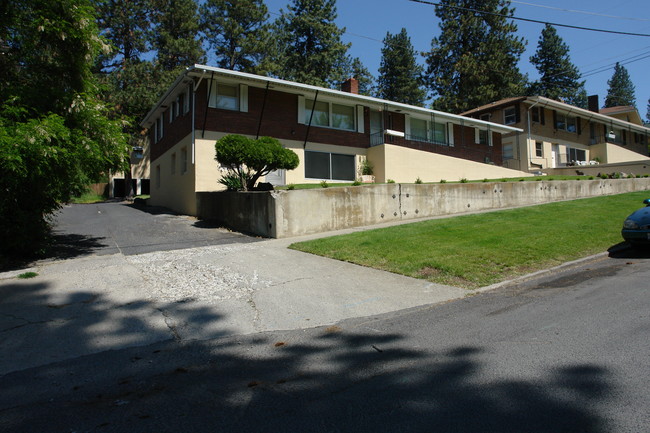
[(281, 214)]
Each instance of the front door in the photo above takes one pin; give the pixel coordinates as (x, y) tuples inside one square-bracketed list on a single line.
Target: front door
[(554, 154)]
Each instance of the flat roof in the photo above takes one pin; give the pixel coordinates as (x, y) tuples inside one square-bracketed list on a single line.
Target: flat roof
[(201, 71)]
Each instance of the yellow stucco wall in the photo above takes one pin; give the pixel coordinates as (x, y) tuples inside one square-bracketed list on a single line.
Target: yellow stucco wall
[(613, 154), (171, 186), (404, 165)]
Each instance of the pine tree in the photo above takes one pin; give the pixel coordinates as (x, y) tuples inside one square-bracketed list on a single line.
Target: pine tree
[(363, 76), (647, 116), (474, 60), (176, 38), (310, 49), (621, 90), (239, 34), (558, 76), (399, 73), (130, 87)]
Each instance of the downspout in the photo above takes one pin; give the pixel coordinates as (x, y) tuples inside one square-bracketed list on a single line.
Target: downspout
[(194, 88), (259, 125), (530, 137), (311, 116), (207, 105)]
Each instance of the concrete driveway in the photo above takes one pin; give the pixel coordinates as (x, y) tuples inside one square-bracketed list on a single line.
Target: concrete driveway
[(121, 227), (125, 277)]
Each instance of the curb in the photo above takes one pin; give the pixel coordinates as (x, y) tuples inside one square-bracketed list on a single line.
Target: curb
[(544, 272)]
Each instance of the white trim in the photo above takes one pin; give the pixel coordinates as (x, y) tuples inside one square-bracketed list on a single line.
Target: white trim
[(450, 134), (243, 98), (360, 119), (301, 110), (394, 133)]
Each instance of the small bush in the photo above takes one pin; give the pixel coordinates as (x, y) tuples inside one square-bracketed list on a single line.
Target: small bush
[(443, 181), (367, 169), (324, 184), (521, 180), (418, 180), (26, 275), (591, 178), (463, 180), (231, 181), (291, 187), (538, 179), (504, 180), (357, 182), (485, 179), (390, 181)]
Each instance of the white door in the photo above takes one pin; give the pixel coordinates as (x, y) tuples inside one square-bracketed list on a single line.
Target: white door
[(276, 177), (554, 153)]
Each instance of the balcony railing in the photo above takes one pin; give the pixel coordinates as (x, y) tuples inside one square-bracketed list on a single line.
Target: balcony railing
[(380, 138)]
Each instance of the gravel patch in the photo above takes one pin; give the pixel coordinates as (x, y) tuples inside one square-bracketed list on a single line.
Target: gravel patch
[(194, 275)]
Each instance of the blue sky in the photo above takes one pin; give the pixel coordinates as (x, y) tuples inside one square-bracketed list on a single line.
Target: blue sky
[(367, 21)]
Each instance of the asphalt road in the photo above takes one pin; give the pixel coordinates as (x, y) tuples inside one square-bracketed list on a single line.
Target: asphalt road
[(121, 227), (568, 353)]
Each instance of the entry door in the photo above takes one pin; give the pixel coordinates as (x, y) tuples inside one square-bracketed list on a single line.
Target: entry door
[(554, 155)]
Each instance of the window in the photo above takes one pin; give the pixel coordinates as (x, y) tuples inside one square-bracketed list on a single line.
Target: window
[(158, 128), (186, 99), (510, 115), (173, 163), (566, 123), (419, 130), (333, 166), (342, 117), (184, 160), (508, 151), (224, 96), (424, 130), (484, 137), (321, 115), (576, 155), (534, 114), (539, 149), (330, 115)]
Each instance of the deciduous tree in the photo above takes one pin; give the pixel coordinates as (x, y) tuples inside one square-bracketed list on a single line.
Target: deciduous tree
[(474, 60), (55, 136), (400, 75)]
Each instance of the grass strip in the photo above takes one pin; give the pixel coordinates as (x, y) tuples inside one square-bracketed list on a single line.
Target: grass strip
[(473, 251)]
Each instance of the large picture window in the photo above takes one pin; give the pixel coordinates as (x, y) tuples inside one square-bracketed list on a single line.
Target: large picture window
[(424, 130), (576, 155), (331, 166), (330, 115)]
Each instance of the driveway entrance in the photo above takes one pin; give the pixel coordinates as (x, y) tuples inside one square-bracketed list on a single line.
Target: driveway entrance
[(120, 227)]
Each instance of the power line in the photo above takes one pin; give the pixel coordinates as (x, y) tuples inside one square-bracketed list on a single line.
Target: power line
[(531, 20), (579, 12)]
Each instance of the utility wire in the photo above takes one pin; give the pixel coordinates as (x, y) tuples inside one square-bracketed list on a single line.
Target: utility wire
[(579, 12), (531, 20)]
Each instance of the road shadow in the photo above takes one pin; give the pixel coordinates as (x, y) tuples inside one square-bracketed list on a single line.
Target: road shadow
[(319, 380)]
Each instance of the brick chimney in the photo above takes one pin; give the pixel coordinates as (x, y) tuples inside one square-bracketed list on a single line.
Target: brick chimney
[(592, 103), (351, 85)]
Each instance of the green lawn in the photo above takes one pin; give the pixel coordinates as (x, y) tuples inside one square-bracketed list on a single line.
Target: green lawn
[(88, 197), (472, 251)]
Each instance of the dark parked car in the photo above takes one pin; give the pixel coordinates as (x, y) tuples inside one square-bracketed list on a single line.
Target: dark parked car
[(636, 228)]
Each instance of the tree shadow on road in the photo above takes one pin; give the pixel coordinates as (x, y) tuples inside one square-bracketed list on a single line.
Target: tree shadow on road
[(317, 380)]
